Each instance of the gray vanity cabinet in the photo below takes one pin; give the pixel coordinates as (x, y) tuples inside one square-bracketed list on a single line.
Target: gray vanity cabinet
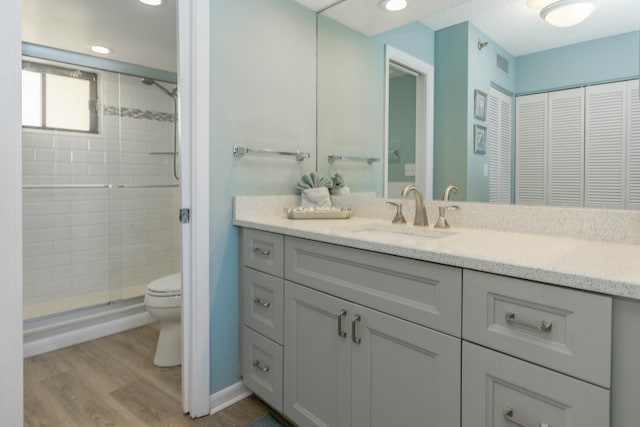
[(261, 299), (369, 339), (561, 339), (502, 391), (317, 378), (403, 374), (338, 337), (348, 365)]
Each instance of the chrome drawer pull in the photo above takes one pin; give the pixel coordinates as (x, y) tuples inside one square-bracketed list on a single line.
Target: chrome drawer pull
[(341, 333), (263, 252), (544, 326), (354, 333), (507, 413), (256, 363), (264, 304)]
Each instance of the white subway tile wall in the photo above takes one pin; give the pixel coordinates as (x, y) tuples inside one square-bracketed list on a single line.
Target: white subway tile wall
[(89, 246)]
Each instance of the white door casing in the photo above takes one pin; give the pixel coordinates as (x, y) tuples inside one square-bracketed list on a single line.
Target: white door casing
[(11, 397), (424, 120), (193, 84)]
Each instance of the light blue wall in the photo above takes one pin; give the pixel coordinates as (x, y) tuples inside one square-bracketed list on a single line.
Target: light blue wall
[(450, 112), (351, 95), (461, 68), (402, 126), (263, 79), (596, 61), (483, 72)]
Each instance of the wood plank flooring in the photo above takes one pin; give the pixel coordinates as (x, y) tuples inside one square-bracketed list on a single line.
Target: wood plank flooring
[(112, 382)]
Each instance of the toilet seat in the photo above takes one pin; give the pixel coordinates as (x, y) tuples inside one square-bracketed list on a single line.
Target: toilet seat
[(167, 286)]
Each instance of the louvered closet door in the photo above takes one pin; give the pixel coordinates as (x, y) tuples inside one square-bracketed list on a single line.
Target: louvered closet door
[(565, 148), (633, 145), (499, 146), (531, 129), (605, 147)]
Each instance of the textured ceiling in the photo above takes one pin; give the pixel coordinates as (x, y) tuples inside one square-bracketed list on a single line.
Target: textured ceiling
[(138, 34), (509, 23), (521, 31), (367, 17), (145, 35)]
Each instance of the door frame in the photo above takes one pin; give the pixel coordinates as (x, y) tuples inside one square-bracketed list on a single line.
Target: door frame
[(193, 70), (193, 111), (424, 119), (11, 395)]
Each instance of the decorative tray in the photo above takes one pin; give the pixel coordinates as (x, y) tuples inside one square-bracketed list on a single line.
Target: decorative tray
[(319, 213)]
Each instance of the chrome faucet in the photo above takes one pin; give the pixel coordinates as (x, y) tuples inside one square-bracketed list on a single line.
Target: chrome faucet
[(448, 190), (421, 214)]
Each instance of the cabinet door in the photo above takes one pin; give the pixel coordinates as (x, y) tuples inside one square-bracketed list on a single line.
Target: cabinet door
[(403, 374), (317, 359), (502, 391)]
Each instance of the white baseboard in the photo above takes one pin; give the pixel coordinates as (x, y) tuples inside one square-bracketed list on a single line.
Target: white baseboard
[(228, 396), (83, 334)]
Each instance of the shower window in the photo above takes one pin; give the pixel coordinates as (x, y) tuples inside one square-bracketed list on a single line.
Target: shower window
[(59, 98)]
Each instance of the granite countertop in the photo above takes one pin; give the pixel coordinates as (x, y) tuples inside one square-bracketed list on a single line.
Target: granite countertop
[(596, 266)]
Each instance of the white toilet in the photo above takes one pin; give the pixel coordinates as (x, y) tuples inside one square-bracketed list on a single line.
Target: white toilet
[(164, 303)]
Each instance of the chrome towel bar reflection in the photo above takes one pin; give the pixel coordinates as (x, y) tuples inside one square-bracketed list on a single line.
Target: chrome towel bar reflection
[(64, 186), (149, 186), (93, 186), (369, 160), (241, 151)]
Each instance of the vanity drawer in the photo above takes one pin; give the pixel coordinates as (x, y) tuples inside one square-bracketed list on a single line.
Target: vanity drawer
[(263, 251), (262, 367), (263, 299), (421, 292), (498, 389), (563, 329)]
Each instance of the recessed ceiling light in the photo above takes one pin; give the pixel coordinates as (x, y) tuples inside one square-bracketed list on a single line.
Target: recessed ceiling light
[(394, 5), (100, 49), (151, 2)]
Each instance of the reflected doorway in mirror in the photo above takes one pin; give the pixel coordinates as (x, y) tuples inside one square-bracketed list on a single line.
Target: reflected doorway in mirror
[(408, 134)]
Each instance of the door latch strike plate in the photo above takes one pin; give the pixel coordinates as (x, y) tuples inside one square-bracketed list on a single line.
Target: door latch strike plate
[(185, 216)]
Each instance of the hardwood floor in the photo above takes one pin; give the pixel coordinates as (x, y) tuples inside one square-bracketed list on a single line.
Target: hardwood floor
[(113, 382)]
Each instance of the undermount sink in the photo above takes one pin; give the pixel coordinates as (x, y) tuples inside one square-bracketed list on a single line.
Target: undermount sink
[(407, 232)]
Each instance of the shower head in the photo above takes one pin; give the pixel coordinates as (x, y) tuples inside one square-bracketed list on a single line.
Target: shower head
[(150, 82)]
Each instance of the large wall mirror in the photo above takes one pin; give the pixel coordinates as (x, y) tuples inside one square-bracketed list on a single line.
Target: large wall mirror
[(523, 112)]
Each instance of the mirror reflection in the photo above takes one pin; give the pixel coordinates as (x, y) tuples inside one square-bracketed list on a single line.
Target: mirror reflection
[(401, 130), (561, 119)]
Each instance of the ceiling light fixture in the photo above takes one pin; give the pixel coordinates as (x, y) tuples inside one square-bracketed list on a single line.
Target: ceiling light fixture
[(394, 5), (151, 2), (567, 13), (538, 4), (102, 50)]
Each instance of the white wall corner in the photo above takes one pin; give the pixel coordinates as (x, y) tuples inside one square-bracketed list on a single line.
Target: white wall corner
[(228, 396)]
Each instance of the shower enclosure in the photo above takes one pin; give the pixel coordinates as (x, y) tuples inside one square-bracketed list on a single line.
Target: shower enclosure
[(100, 202)]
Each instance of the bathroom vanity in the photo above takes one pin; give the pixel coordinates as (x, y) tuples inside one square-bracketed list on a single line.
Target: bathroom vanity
[(356, 323)]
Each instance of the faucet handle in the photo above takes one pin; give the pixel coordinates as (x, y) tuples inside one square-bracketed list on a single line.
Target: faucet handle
[(399, 218)]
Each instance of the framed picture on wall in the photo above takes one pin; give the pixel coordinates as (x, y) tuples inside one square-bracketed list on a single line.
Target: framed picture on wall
[(479, 139), (480, 105)]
